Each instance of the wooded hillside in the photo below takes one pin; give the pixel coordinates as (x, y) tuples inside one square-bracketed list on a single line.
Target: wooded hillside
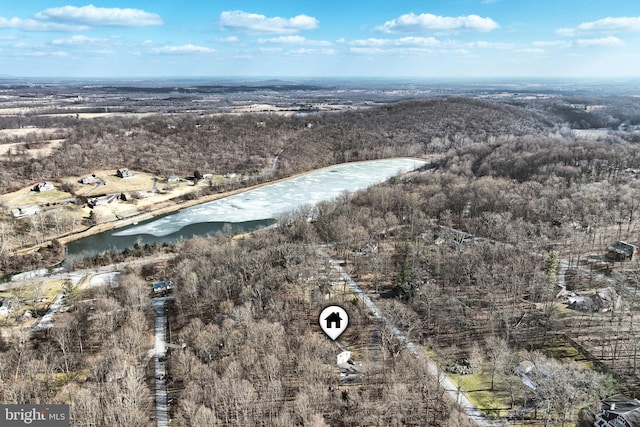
[(180, 144)]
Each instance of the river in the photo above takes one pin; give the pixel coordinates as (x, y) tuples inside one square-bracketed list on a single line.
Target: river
[(249, 210)]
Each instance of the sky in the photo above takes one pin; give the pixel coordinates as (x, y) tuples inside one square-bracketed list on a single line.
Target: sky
[(320, 38)]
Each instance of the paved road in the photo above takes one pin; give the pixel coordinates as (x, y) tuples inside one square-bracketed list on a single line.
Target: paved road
[(160, 351), (456, 395)]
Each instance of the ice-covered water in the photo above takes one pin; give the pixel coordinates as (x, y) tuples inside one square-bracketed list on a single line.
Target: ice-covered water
[(244, 212), (269, 201)]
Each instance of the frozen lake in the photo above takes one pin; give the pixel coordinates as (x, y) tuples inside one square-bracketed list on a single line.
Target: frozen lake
[(251, 209)]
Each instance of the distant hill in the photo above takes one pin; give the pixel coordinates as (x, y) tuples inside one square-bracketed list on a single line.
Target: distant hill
[(414, 127), (247, 144)]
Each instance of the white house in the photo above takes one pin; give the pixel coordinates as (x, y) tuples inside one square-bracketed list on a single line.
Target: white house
[(43, 186), (619, 411), (23, 211), (91, 179), (123, 173)]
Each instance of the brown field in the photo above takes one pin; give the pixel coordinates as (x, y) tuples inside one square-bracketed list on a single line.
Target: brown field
[(140, 181), (26, 196), (22, 132), (42, 151)]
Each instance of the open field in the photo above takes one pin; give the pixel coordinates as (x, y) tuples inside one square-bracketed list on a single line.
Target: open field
[(35, 297), (89, 116), (38, 133), (27, 196), (139, 181), (32, 142), (289, 110), (40, 150)]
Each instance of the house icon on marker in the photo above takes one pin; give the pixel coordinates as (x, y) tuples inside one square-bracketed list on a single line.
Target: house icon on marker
[(333, 321), (333, 318)]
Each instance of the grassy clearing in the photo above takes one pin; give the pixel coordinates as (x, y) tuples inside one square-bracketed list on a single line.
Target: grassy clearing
[(43, 150), (477, 388), (140, 181), (563, 350), (25, 197), (68, 382), (34, 297)]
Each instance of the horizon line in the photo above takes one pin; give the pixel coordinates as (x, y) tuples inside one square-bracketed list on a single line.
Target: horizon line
[(336, 78)]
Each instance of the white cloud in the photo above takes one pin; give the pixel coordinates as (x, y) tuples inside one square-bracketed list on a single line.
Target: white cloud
[(71, 18), (569, 32), (252, 22), (42, 53), (34, 25), (370, 42), (77, 40), (307, 51), (270, 49), (531, 50), (230, 39), (490, 45), (186, 48), (294, 39), (367, 50), (624, 23), (419, 41), (417, 45), (396, 50), (612, 24), (414, 23), (553, 43), (403, 41), (91, 16), (605, 41)]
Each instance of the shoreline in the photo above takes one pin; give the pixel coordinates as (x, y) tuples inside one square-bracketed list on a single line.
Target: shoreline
[(171, 208)]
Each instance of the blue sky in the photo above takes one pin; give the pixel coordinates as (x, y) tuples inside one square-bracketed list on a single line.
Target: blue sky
[(328, 38)]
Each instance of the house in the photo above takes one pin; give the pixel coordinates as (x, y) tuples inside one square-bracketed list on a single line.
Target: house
[(333, 319), (346, 365), (161, 288), (43, 186), (103, 200), (123, 173), (622, 251), (344, 357), (369, 248), (619, 411), (23, 211), (524, 367), (602, 300), (91, 179), (5, 306)]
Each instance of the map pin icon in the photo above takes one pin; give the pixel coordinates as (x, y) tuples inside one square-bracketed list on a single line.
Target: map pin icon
[(333, 321)]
